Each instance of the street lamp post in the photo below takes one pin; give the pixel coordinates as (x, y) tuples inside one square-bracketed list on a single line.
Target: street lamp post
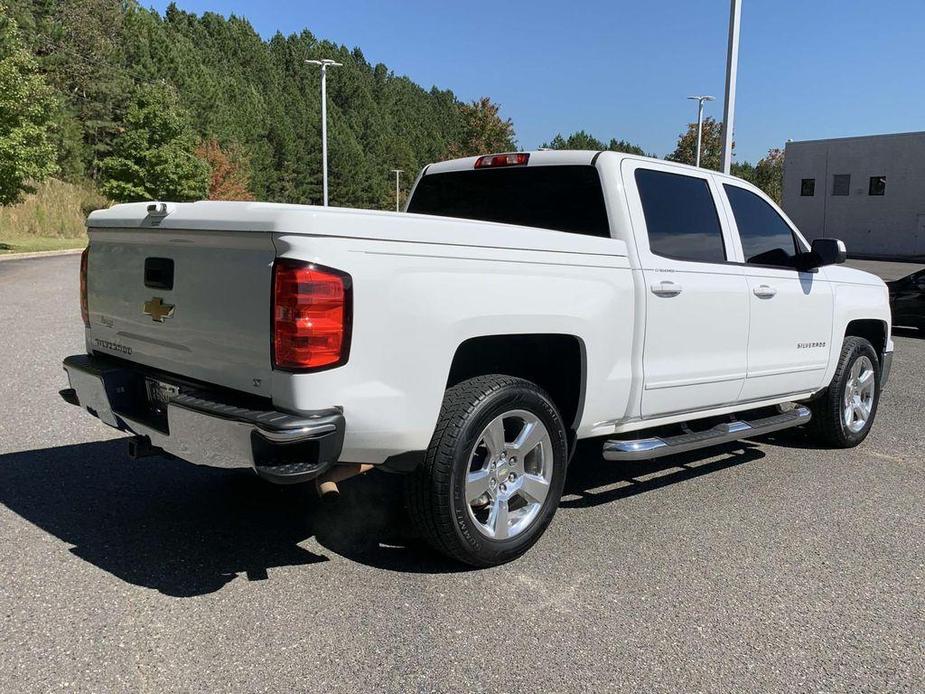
[(699, 100), (732, 69), (398, 173), (325, 63)]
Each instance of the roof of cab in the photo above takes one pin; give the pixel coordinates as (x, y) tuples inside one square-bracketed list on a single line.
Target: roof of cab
[(552, 157)]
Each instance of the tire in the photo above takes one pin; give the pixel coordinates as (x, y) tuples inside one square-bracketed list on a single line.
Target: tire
[(845, 412), (522, 485)]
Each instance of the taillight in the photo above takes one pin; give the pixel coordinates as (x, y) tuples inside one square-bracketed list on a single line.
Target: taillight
[(84, 307), (311, 316), (495, 160)]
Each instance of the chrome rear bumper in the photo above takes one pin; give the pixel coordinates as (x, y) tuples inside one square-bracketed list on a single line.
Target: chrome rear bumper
[(204, 428)]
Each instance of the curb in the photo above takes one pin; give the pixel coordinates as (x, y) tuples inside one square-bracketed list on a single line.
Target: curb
[(39, 254)]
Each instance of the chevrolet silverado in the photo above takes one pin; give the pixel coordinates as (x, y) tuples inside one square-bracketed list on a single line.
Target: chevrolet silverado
[(522, 302)]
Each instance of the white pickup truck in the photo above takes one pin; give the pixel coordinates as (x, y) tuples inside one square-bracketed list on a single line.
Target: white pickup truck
[(522, 302)]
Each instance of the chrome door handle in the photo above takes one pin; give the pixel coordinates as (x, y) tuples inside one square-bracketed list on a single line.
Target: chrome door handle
[(666, 288), (764, 292)]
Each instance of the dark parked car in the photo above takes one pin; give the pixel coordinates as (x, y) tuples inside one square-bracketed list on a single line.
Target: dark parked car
[(907, 300)]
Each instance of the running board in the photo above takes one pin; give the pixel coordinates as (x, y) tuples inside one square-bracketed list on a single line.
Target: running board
[(656, 447)]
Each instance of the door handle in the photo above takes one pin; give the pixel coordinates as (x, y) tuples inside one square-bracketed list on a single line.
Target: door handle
[(764, 291), (666, 288)]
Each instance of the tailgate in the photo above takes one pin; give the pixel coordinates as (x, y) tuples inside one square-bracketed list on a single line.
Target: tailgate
[(193, 303)]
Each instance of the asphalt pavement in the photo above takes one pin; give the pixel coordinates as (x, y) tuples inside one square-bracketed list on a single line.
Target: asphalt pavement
[(763, 566), (887, 270)]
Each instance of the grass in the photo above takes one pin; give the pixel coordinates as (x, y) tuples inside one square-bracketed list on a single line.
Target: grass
[(49, 218), (32, 244)]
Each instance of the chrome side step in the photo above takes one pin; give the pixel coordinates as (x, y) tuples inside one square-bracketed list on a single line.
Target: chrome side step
[(658, 446)]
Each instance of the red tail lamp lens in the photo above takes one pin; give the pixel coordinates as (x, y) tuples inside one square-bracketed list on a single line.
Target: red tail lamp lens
[(496, 160), (311, 316), (84, 306)]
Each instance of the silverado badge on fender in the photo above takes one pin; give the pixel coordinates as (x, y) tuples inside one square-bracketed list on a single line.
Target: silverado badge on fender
[(158, 310)]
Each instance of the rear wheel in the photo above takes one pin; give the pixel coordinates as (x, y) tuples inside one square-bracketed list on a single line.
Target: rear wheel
[(844, 414), (493, 474)]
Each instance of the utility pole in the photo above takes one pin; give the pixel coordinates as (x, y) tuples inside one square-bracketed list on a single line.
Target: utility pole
[(398, 173), (732, 68), (325, 63), (700, 100)]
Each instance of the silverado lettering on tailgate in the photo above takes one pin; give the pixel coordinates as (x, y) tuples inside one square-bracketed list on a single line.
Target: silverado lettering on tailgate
[(112, 346)]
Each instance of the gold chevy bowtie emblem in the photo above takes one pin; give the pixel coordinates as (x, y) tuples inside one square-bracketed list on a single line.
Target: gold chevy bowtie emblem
[(158, 310)]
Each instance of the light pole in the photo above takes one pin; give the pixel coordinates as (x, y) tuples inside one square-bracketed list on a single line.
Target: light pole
[(398, 173), (325, 63), (732, 69), (699, 100)]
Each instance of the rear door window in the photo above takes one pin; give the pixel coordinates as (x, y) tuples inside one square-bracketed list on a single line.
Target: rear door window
[(562, 198), (681, 217)]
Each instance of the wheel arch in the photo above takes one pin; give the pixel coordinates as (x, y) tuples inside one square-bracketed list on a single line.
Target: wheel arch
[(556, 362), (873, 330)]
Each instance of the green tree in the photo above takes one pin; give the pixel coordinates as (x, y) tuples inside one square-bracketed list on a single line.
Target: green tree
[(484, 131), (237, 87), (83, 58), (27, 151), (582, 140), (711, 145), (744, 170), (769, 174), (154, 159)]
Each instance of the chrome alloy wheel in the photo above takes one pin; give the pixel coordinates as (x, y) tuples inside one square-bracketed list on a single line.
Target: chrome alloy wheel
[(860, 389), (509, 473)]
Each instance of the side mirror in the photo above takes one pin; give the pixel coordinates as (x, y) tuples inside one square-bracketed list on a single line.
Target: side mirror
[(825, 252)]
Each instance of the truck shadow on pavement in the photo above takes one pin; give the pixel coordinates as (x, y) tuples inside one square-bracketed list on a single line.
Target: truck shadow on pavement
[(592, 481), (185, 530)]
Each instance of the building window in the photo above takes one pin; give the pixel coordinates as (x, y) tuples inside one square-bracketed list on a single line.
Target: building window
[(841, 184), (808, 187), (877, 185)]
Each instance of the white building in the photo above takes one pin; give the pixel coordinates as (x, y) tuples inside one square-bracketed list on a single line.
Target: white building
[(867, 191)]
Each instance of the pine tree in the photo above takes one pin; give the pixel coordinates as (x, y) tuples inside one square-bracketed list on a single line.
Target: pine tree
[(238, 88), (26, 109), (582, 140)]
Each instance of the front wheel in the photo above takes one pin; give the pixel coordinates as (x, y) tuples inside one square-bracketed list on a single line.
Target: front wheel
[(493, 474), (844, 414)]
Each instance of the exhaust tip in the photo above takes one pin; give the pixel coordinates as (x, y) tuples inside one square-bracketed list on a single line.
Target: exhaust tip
[(328, 491), (327, 483)]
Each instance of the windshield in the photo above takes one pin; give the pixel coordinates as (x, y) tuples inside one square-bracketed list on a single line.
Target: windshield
[(562, 198)]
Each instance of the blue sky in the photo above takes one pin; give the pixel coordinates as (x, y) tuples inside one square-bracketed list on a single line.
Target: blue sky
[(807, 68)]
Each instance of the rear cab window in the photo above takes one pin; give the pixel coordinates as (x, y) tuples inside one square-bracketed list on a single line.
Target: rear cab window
[(566, 198)]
